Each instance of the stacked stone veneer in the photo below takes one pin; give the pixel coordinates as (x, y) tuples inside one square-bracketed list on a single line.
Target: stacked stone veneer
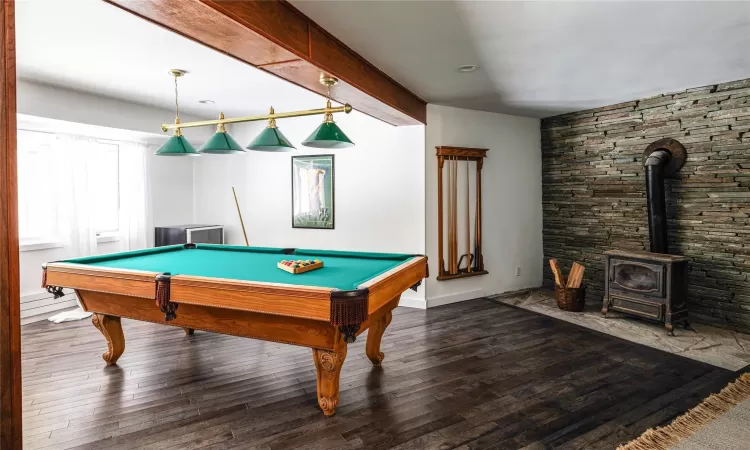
[(594, 192)]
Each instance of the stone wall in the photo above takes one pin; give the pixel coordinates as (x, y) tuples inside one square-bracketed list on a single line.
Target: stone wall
[(594, 192)]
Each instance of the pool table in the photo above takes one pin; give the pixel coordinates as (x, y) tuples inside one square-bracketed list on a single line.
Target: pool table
[(240, 291)]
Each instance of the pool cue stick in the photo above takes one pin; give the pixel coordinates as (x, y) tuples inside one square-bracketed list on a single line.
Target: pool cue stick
[(480, 257), (447, 199), (453, 221), (455, 214), (450, 214), (468, 221), (453, 225), (441, 235), (242, 223), (476, 228)]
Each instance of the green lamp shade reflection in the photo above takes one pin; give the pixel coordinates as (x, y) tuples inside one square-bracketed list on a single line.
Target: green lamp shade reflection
[(221, 143), (328, 135), (177, 146), (271, 140)]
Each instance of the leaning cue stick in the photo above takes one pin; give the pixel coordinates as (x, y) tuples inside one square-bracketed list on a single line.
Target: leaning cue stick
[(244, 233)]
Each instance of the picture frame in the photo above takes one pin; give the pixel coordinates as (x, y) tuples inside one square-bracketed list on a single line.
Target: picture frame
[(313, 192)]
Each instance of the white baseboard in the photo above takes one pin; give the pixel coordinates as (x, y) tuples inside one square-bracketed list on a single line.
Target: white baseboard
[(454, 298), (442, 300), (413, 303), (42, 304)]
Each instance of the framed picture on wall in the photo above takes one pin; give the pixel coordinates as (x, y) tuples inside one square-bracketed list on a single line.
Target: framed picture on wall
[(313, 192)]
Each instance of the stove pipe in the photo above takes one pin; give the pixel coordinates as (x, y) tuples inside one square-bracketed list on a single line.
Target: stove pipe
[(657, 209)]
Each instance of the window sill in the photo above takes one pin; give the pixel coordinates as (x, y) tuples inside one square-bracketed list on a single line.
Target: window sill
[(30, 246), (107, 237), (47, 244)]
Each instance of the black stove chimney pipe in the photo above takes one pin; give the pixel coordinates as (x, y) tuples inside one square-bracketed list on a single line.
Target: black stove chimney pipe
[(657, 208)]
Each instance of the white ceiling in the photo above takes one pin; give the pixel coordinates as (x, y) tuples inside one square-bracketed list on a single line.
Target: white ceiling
[(543, 58), (94, 47), (537, 58)]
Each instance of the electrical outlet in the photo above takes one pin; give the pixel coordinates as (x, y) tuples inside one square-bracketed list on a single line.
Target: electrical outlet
[(518, 271)]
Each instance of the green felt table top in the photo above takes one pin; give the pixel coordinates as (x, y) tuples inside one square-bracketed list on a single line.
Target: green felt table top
[(341, 270)]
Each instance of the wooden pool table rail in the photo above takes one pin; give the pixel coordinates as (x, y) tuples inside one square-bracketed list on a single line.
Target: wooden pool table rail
[(132, 283), (395, 281), (307, 302)]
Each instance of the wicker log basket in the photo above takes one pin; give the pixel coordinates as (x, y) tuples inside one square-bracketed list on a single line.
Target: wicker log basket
[(570, 292), (570, 299)]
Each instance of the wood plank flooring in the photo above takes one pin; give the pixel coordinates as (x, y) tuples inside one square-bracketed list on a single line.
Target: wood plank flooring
[(470, 375)]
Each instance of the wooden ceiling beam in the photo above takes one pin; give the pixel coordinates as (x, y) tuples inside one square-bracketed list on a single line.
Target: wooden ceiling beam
[(277, 38)]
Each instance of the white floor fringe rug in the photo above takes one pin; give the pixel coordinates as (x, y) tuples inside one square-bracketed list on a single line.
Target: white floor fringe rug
[(722, 421)]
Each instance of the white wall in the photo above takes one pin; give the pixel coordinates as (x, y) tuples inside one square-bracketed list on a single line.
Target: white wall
[(54, 102), (385, 189), (75, 112), (379, 189), (511, 200)]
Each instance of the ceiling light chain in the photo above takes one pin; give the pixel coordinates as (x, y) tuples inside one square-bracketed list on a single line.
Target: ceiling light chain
[(176, 73), (328, 82)]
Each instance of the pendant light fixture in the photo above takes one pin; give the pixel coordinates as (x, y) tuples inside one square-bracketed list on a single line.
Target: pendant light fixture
[(221, 143), (271, 139), (177, 145), (328, 134)]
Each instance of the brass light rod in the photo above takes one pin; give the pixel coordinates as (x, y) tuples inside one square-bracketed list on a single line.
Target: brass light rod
[(347, 108)]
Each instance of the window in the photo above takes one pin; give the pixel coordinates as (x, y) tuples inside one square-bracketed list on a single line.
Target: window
[(37, 202), (104, 174), (40, 200)]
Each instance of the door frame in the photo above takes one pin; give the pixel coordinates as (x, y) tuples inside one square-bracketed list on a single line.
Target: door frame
[(10, 299)]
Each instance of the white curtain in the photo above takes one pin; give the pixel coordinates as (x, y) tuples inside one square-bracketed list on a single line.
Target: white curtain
[(135, 194), (76, 203)]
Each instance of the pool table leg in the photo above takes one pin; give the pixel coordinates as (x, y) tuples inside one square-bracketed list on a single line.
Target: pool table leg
[(111, 328), (328, 365), (374, 336), (189, 331)]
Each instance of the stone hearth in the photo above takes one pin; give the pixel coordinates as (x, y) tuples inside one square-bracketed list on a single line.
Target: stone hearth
[(712, 345)]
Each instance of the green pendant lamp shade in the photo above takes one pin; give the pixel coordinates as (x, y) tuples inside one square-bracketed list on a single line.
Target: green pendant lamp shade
[(177, 145), (271, 139), (221, 142), (328, 135)]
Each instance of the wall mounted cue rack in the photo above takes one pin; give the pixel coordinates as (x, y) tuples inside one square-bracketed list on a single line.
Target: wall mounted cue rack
[(467, 264)]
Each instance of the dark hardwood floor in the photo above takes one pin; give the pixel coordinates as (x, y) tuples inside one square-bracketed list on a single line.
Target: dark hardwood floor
[(471, 375)]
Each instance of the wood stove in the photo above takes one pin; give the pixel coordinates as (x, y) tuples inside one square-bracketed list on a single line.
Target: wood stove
[(651, 284)]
